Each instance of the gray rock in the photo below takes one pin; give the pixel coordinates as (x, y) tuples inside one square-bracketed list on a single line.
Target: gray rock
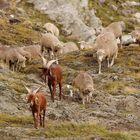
[(68, 14)]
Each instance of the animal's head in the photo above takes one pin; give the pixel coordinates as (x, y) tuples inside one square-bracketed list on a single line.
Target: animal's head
[(89, 91), (47, 65), (22, 62), (135, 34), (31, 96)]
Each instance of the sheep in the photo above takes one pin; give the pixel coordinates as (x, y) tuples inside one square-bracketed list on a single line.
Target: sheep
[(50, 43), (38, 102), (136, 34), (51, 28), (24, 53), (14, 59), (106, 47), (52, 73), (34, 50), (117, 28), (68, 47), (83, 81), (85, 45)]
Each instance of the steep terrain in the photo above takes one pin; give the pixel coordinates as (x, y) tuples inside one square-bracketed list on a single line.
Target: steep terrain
[(114, 113)]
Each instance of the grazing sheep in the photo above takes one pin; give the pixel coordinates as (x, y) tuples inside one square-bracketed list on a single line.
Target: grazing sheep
[(24, 53), (53, 73), (85, 45), (83, 81), (38, 104), (136, 34), (14, 59), (34, 50), (68, 47), (51, 28), (117, 28), (106, 46), (50, 43)]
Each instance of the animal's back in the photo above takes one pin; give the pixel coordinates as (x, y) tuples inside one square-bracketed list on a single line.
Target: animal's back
[(57, 71), (107, 42), (82, 80), (42, 99)]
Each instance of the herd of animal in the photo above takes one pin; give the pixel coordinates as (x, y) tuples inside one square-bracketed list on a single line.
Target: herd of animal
[(50, 48)]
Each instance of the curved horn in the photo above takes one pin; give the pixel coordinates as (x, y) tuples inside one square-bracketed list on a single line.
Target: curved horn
[(50, 63), (44, 61), (36, 90), (29, 90)]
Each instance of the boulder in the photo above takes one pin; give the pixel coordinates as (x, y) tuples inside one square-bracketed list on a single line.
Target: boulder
[(69, 14)]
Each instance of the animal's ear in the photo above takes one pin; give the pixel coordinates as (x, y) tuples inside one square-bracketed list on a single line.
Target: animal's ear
[(35, 91), (29, 90)]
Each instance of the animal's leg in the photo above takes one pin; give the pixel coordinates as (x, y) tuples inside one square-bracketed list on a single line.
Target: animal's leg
[(40, 119), (83, 100), (87, 98), (54, 91), (37, 118), (49, 85), (60, 90), (99, 62), (108, 65), (44, 111), (34, 119), (120, 41), (112, 62)]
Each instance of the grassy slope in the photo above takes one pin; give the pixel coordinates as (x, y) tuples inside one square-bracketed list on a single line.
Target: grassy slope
[(20, 35), (63, 129)]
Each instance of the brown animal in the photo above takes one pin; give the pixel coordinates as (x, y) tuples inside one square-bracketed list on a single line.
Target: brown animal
[(52, 73), (38, 103)]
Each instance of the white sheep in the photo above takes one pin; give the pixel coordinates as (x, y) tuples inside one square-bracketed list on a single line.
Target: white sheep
[(117, 28), (68, 47), (33, 50), (106, 47), (83, 81), (85, 45), (50, 43), (136, 34), (51, 28), (24, 53), (14, 59)]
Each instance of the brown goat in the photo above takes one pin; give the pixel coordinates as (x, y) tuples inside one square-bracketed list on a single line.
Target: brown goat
[(38, 103), (54, 75)]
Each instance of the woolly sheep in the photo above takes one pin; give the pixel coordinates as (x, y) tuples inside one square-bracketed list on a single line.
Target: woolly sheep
[(136, 34), (68, 47), (83, 81), (24, 53), (50, 43), (51, 28), (34, 50), (117, 28), (106, 47), (85, 45), (14, 59)]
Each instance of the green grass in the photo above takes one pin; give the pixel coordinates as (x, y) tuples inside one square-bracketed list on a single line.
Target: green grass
[(13, 120), (105, 12)]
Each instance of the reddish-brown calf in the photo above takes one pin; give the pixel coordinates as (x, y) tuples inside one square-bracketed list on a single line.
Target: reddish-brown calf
[(38, 103)]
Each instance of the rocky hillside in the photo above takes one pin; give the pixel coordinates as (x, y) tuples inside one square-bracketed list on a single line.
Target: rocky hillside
[(113, 114)]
